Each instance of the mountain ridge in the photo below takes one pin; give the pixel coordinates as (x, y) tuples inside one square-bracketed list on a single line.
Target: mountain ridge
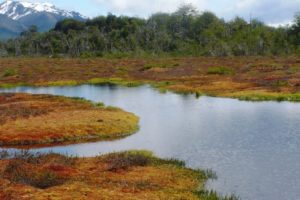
[(17, 16)]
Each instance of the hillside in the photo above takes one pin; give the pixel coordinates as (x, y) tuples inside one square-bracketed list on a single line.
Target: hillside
[(17, 16)]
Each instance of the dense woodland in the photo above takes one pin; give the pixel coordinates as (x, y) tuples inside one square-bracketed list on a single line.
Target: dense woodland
[(184, 32)]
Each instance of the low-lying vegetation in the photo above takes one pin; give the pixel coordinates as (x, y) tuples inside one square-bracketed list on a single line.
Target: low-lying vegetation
[(150, 66), (125, 175), (9, 72), (220, 71), (44, 119), (229, 77)]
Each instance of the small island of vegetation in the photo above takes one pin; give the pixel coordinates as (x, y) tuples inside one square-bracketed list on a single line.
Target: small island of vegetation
[(43, 119)]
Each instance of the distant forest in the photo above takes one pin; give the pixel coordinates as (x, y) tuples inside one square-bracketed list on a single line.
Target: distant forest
[(184, 32)]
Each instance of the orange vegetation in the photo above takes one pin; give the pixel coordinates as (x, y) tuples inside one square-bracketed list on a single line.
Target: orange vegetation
[(126, 175), (240, 77), (44, 119)]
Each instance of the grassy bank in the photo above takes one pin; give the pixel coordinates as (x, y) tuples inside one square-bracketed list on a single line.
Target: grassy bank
[(245, 78), (125, 175), (44, 119)]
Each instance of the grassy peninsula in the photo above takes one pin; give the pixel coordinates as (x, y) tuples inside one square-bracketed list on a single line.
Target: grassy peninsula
[(43, 119)]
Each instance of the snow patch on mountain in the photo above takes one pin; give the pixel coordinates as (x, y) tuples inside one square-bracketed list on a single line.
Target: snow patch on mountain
[(19, 9)]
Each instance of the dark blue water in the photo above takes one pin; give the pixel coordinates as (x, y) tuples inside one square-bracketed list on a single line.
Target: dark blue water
[(253, 147)]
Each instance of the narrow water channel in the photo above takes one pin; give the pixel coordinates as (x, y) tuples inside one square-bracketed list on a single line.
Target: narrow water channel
[(253, 147)]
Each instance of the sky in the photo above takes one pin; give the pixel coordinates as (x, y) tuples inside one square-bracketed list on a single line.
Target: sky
[(272, 12)]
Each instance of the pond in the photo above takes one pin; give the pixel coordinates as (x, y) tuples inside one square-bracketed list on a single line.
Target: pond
[(254, 147)]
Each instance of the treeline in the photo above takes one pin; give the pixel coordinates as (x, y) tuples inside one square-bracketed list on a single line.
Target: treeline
[(184, 32)]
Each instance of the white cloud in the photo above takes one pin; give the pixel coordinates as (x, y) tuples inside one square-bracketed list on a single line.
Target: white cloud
[(242, 4), (269, 11), (146, 7)]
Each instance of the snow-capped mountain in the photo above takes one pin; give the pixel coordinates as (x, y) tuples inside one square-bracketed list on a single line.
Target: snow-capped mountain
[(19, 9), (43, 15)]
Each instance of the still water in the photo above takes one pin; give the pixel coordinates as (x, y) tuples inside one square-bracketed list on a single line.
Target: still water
[(253, 147)]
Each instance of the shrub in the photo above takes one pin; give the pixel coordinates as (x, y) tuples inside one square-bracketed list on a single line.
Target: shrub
[(125, 160), (57, 56), (100, 104), (27, 157), (46, 179), (56, 159), (220, 71), (175, 162), (18, 171), (87, 55), (9, 72), (212, 195), (29, 169)]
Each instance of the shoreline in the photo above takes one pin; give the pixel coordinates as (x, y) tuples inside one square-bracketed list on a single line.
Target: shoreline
[(243, 78)]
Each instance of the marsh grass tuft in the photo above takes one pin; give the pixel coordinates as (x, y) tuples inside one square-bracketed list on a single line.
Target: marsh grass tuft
[(114, 81), (220, 70), (18, 172), (265, 96), (209, 174), (171, 161), (34, 169), (125, 160), (212, 195), (100, 105), (9, 72)]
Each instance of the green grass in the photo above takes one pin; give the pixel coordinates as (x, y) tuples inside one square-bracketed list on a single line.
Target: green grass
[(94, 81), (294, 69), (264, 96), (13, 85), (114, 81), (100, 104), (212, 195), (220, 71), (60, 83), (10, 72)]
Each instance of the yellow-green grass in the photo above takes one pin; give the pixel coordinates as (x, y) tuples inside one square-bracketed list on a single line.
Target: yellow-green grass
[(43, 119), (126, 175), (264, 96)]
